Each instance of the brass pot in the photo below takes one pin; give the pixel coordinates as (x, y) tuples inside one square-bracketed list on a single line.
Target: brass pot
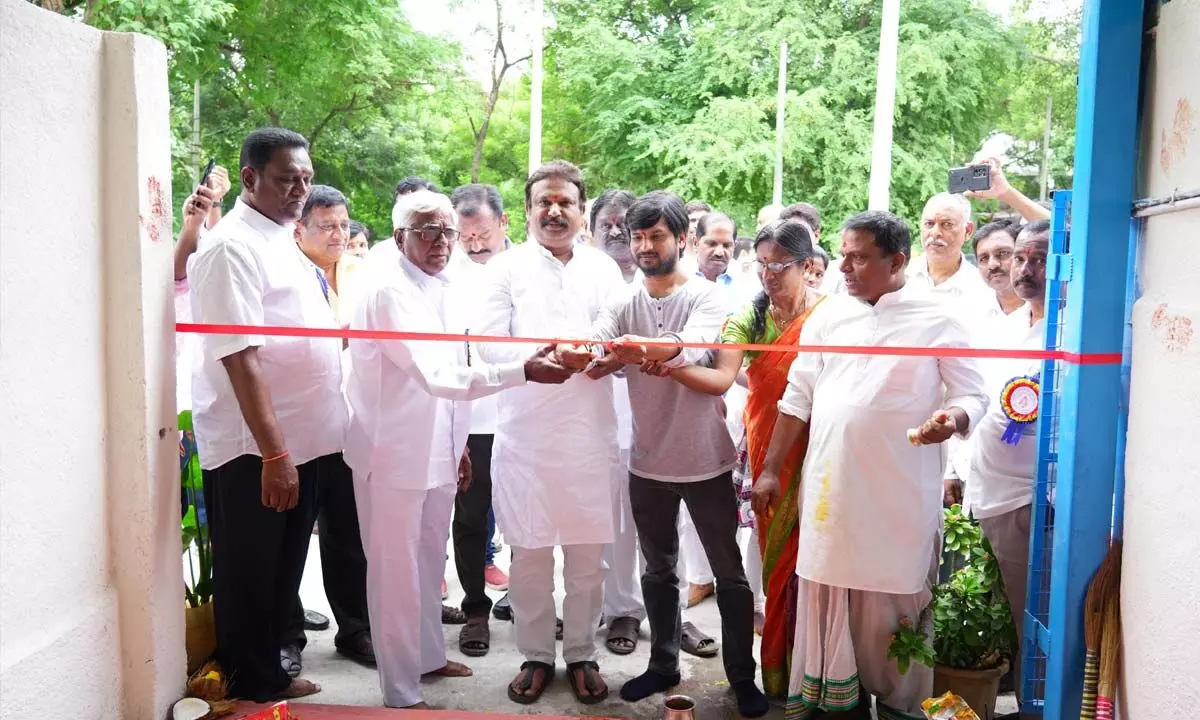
[(200, 635), (680, 707)]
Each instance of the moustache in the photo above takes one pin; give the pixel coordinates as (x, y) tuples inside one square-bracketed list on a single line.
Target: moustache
[(554, 222), (997, 272), (1025, 280)]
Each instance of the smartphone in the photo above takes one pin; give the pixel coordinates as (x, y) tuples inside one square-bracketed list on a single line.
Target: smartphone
[(212, 163), (971, 177)]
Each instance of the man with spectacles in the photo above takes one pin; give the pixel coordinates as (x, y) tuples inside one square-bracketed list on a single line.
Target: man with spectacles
[(483, 228), (321, 236), (407, 437)]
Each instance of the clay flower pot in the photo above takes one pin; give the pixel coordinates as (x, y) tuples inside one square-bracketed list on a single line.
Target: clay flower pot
[(977, 687)]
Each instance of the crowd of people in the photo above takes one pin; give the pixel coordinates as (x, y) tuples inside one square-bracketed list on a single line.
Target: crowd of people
[(803, 490)]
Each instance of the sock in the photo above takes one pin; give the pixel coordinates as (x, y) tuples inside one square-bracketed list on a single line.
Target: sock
[(750, 700), (648, 683)]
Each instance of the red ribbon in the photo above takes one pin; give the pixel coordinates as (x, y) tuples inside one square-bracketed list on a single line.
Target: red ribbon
[(996, 354)]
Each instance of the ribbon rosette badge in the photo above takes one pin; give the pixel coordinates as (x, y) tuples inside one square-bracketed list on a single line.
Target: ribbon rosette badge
[(1019, 400)]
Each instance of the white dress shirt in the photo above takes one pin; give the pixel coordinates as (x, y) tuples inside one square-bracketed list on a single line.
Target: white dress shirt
[(1001, 475), (555, 445), (871, 503), (483, 410), (965, 290), (249, 273), (409, 419)]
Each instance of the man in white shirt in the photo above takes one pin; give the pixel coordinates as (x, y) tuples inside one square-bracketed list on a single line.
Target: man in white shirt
[(871, 504), (407, 439), (1003, 449), (321, 239), (994, 245), (269, 414), (623, 610), (483, 228), (555, 447)]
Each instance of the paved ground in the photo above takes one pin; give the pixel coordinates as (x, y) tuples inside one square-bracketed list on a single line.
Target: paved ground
[(346, 683)]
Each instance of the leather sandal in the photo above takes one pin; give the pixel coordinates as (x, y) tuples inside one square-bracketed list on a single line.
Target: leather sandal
[(517, 688), (590, 673)]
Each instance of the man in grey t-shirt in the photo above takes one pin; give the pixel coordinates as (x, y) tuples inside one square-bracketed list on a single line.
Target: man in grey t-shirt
[(681, 449)]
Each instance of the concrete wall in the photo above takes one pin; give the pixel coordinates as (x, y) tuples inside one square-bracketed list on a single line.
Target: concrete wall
[(91, 621), (1161, 575)]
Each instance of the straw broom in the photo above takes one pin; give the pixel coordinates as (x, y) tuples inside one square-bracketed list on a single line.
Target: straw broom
[(1110, 652), (1104, 584)]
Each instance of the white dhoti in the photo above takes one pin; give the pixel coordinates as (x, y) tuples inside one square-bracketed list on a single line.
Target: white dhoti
[(1009, 535), (404, 534), (842, 640), (693, 567), (531, 593), (752, 559), (623, 584)]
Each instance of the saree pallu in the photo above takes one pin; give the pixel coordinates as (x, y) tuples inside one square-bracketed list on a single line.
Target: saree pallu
[(778, 535)]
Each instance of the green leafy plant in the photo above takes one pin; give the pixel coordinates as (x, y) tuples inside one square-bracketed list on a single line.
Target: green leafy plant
[(972, 623), (197, 544)]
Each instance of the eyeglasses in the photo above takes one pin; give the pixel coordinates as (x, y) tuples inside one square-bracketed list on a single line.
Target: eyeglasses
[(774, 268), (431, 233)]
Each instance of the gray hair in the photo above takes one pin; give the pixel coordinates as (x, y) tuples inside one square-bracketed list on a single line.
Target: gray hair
[(959, 201), (418, 203)]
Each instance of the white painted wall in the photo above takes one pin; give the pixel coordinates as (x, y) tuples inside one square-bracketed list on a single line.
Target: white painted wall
[(1160, 589), (90, 590)]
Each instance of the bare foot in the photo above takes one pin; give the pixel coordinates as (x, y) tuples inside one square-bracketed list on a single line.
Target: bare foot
[(453, 669), (299, 688)]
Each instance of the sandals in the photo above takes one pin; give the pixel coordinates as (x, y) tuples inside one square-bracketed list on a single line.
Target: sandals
[(590, 673), (694, 642), (623, 635), (475, 639), (517, 688), (453, 616)]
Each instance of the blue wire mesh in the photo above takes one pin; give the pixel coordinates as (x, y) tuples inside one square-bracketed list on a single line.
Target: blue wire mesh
[(1037, 633)]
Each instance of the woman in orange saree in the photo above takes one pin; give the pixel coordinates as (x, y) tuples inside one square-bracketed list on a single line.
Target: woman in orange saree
[(784, 257)]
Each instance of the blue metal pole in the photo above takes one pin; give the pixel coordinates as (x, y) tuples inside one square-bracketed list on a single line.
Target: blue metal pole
[(1105, 172)]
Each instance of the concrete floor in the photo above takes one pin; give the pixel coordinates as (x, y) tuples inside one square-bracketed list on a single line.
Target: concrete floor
[(346, 683)]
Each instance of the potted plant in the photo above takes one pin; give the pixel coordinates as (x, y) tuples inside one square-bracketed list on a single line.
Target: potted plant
[(200, 626), (972, 624)]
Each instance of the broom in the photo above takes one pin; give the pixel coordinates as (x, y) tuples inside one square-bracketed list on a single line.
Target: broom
[(1101, 587), (1110, 652)]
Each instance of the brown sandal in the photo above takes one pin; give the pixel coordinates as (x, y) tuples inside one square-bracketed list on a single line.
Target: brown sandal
[(623, 635), (518, 687), (591, 672), (475, 638)]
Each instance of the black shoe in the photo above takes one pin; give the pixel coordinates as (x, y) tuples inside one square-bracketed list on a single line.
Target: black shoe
[(358, 648), (289, 659), (314, 620), (502, 610)]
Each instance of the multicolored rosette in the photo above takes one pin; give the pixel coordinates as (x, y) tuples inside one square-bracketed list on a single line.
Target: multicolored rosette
[(1020, 400)]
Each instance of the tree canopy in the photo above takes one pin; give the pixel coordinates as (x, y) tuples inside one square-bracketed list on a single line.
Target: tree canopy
[(642, 94)]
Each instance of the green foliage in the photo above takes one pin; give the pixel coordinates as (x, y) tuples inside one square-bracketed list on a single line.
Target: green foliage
[(972, 620), (909, 644), (643, 94), (197, 544)]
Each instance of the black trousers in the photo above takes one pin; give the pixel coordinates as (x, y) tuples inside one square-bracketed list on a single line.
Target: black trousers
[(258, 560), (713, 506), (470, 528), (343, 562)]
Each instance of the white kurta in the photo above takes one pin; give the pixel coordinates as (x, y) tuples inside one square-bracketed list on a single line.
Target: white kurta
[(407, 432), (1001, 475), (871, 503), (555, 445)]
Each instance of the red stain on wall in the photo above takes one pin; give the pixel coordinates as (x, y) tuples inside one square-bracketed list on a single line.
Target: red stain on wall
[(1173, 331), (1175, 140), (157, 218)]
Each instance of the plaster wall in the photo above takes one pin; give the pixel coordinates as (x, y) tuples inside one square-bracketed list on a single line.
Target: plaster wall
[(1160, 589), (90, 590)]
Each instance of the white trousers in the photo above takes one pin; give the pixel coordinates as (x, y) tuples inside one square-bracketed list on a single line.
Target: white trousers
[(623, 584), (531, 593), (752, 559), (404, 533), (693, 567)]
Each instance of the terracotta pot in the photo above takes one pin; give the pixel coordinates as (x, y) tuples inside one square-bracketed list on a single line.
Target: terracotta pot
[(200, 637), (977, 687)]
